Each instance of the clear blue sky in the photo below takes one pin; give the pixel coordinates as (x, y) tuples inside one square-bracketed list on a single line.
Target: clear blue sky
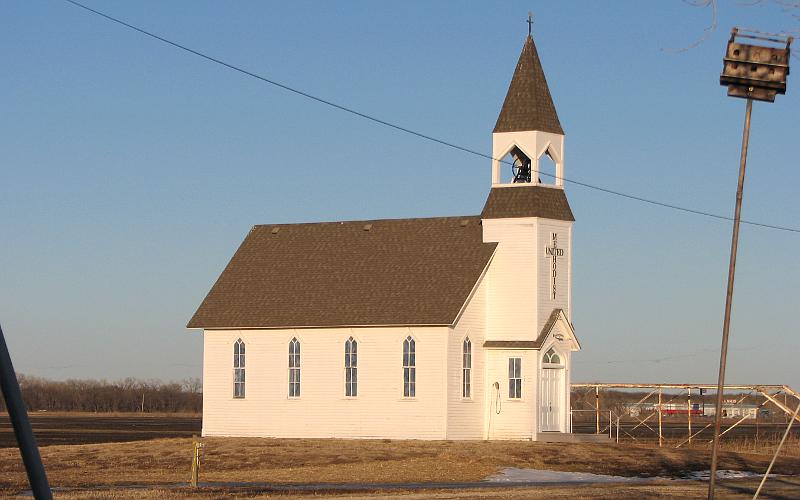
[(130, 171)]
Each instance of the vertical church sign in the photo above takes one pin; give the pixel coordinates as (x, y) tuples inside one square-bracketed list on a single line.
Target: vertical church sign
[(553, 252)]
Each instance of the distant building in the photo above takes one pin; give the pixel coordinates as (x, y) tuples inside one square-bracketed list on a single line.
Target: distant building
[(699, 409), (732, 410), (634, 409), (439, 328)]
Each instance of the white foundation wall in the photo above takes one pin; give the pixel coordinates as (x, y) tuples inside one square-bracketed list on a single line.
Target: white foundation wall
[(511, 418), (511, 279), (465, 415), (322, 410)]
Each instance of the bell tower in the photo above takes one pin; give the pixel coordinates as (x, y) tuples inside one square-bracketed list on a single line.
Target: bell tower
[(527, 212), (528, 128)]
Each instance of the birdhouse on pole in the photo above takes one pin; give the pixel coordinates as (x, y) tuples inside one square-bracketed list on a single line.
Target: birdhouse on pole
[(756, 71)]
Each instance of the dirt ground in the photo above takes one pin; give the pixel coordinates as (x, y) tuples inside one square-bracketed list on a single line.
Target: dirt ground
[(688, 490), (281, 461)]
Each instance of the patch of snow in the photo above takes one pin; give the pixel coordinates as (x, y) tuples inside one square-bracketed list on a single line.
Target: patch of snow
[(514, 475), (704, 475)]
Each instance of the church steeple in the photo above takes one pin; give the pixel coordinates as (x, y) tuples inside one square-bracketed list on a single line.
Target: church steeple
[(527, 213), (528, 104), (528, 128)]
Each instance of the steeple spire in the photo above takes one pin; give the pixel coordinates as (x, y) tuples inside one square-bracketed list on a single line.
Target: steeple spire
[(528, 105)]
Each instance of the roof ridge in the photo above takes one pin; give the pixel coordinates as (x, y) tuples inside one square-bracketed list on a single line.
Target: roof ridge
[(366, 221)]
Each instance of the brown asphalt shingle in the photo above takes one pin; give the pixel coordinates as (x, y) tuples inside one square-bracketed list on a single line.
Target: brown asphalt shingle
[(511, 344), (399, 272), (527, 344), (527, 201), (528, 104)]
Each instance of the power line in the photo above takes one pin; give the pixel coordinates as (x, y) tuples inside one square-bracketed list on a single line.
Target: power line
[(410, 131), (696, 353)]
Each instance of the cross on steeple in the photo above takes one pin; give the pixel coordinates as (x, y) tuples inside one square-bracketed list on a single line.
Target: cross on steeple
[(530, 22)]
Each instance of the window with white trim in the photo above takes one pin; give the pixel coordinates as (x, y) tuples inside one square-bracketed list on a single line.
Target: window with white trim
[(514, 378), (466, 369), (238, 369), (409, 368), (552, 357), (294, 368), (351, 368)]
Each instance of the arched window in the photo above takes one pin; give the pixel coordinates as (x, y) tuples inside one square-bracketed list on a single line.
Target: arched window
[(351, 368), (238, 369), (409, 368), (466, 368), (552, 357), (294, 368)]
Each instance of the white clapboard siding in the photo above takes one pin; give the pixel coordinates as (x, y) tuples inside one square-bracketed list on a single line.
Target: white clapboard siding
[(465, 415), (512, 280), (379, 410), (563, 268), (511, 418)]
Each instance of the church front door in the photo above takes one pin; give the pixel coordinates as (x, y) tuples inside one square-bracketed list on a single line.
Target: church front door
[(550, 399)]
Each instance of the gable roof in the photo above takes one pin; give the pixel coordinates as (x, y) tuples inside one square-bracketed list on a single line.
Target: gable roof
[(555, 316), (528, 104), (358, 273), (527, 201)]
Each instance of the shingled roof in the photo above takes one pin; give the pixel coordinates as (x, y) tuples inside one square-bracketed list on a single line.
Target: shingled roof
[(527, 201), (528, 104), (529, 344), (362, 273)]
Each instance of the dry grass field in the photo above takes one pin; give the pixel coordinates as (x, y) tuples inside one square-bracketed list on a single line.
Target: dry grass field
[(693, 490), (275, 461)]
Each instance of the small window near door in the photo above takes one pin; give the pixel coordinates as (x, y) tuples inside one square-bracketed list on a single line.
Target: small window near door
[(514, 378), (552, 357)]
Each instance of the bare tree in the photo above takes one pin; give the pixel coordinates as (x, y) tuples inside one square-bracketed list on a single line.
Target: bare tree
[(790, 8), (102, 396)]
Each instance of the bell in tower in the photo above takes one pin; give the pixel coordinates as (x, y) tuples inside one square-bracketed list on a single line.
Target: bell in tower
[(521, 166)]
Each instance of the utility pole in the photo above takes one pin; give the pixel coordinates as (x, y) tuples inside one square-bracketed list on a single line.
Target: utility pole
[(660, 412), (22, 426), (752, 72), (597, 409), (689, 413)]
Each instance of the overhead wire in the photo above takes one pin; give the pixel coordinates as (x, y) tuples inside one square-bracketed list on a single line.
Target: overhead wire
[(411, 131), (696, 353)]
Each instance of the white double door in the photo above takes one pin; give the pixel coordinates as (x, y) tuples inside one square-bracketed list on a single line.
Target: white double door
[(551, 397)]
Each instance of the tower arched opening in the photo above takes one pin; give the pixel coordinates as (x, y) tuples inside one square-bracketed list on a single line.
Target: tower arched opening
[(547, 169)]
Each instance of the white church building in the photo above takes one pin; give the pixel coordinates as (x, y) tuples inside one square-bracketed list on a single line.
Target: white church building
[(431, 328)]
